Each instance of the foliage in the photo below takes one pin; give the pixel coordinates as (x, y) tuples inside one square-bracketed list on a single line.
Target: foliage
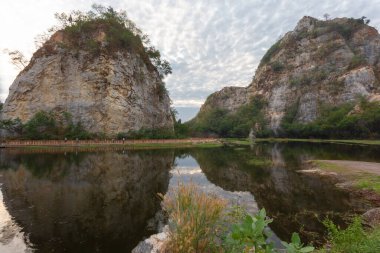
[(314, 76), (296, 246), (327, 49), (224, 124), (356, 61), (145, 133), (180, 130), (345, 29), (336, 122), (271, 51), (193, 220), (47, 125), (277, 66), (17, 58), (250, 234), (369, 182), (353, 239), (41, 126), (300, 80), (12, 125), (120, 34), (198, 223)]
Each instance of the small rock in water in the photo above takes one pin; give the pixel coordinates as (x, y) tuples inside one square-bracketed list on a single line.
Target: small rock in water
[(153, 244)]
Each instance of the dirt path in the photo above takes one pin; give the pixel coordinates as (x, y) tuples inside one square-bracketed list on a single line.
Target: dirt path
[(356, 166)]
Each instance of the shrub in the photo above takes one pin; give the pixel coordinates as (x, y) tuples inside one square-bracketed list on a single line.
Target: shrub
[(120, 34), (41, 126), (47, 125), (198, 223), (194, 217), (356, 61), (145, 133), (250, 234), (300, 80), (271, 51), (337, 122), (326, 50), (353, 239), (277, 66), (222, 123)]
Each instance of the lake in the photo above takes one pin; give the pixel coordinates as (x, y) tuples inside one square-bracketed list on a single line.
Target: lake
[(105, 200)]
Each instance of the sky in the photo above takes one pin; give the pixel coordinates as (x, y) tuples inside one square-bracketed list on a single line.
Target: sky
[(210, 44)]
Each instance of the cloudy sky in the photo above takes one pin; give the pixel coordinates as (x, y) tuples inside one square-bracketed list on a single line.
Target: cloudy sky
[(210, 44)]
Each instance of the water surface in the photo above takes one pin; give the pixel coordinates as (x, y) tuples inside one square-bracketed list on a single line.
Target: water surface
[(55, 200)]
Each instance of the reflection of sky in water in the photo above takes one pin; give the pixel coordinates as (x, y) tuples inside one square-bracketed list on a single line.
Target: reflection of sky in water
[(12, 239), (187, 171)]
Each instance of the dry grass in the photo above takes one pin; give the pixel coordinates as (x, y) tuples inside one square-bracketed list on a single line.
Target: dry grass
[(194, 219)]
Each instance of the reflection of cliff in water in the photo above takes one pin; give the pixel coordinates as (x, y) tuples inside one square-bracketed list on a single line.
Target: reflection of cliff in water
[(296, 202), (85, 202)]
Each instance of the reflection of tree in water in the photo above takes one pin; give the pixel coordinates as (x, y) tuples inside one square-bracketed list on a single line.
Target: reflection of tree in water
[(85, 202), (296, 202)]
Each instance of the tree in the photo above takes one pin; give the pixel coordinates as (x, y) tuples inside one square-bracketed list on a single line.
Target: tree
[(326, 16), (17, 58), (121, 33)]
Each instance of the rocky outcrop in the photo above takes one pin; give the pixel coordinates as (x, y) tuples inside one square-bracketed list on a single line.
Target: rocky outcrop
[(320, 62), (107, 91), (372, 217)]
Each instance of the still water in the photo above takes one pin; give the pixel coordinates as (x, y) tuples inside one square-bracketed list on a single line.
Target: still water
[(55, 200)]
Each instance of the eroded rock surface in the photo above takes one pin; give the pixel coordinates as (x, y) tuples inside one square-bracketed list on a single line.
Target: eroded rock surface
[(320, 62), (108, 92)]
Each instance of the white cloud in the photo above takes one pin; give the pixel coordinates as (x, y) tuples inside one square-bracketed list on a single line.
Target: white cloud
[(210, 44)]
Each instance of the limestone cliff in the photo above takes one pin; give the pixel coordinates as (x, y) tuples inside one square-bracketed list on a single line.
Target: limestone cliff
[(107, 87), (320, 62)]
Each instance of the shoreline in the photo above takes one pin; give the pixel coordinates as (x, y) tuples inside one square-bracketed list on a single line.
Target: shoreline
[(170, 143), (358, 177), (146, 143)]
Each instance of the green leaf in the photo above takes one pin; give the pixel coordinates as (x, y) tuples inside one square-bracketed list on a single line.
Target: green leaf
[(296, 239), (307, 249)]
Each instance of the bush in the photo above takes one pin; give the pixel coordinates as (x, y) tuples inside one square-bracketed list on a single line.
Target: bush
[(356, 61), (271, 51), (144, 133), (42, 126), (353, 239), (193, 220), (46, 126), (222, 123), (120, 34), (199, 223), (336, 122), (277, 66), (300, 80)]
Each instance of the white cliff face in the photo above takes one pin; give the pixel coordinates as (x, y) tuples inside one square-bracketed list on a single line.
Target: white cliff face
[(320, 62), (229, 98), (108, 93)]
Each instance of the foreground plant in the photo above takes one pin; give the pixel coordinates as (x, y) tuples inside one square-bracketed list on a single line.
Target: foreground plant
[(198, 222), (194, 219), (353, 239), (296, 246), (252, 236)]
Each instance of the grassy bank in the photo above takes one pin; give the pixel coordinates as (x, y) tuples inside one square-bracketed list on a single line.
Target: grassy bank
[(199, 222), (360, 175), (247, 142), (153, 145)]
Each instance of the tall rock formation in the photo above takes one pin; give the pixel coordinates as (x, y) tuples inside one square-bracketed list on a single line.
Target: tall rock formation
[(320, 62), (105, 84)]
